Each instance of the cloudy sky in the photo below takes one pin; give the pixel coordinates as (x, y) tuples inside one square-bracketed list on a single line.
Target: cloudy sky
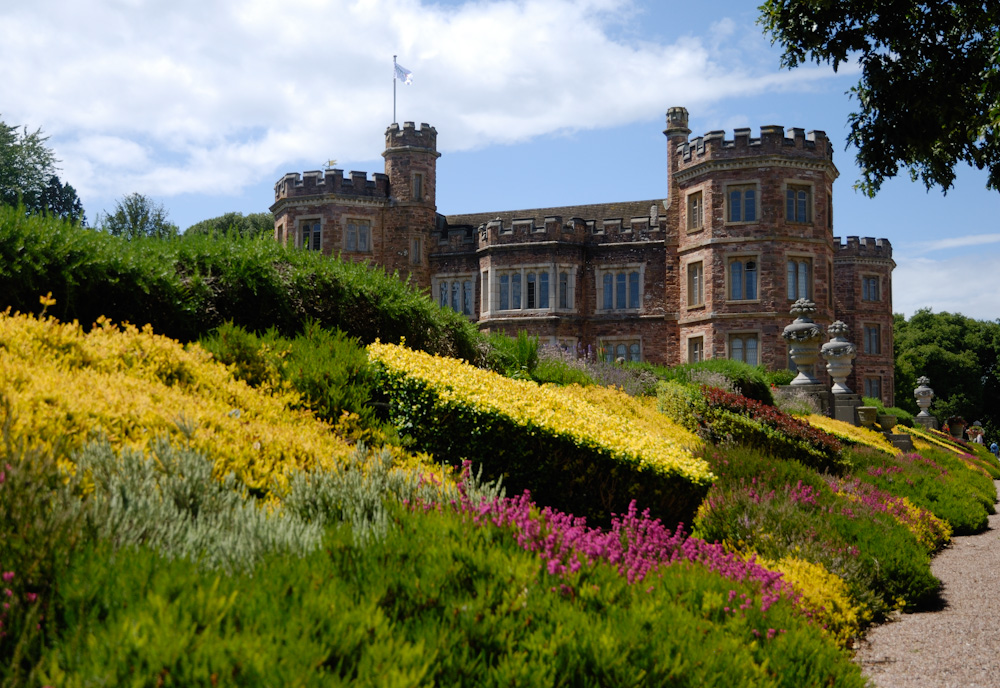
[(203, 105)]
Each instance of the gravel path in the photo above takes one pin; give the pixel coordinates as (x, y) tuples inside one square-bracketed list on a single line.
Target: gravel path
[(958, 645)]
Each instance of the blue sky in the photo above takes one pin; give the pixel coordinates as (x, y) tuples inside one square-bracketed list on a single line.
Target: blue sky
[(204, 105)]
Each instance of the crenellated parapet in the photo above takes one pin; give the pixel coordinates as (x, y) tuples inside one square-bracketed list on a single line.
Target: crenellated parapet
[(411, 137), (862, 247), (319, 183), (774, 141)]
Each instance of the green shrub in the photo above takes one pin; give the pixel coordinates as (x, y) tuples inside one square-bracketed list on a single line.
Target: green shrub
[(328, 368), (188, 286), (514, 357), (903, 417), (727, 418), (439, 601), (749, 381)]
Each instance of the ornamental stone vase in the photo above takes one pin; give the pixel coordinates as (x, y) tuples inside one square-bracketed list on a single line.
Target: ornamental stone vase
[(924, 395), (839, 355), (803, 337), (866, 415)]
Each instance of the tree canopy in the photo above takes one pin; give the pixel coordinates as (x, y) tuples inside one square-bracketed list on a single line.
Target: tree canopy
[(137, 216), (235, 224), (961, 356), (28, 175), (929, 93)]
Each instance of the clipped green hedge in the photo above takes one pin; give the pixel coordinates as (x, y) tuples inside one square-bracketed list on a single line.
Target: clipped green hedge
[(187, 286), (572, 455)]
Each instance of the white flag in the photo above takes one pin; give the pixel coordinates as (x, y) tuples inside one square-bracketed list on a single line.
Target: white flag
[(404, 75)]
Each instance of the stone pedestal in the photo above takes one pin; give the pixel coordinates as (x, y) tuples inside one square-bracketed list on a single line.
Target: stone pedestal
[(900, 441), (929, 422), (844, 406)]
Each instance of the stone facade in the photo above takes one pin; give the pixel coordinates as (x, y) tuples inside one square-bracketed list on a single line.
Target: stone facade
[(711, 271)]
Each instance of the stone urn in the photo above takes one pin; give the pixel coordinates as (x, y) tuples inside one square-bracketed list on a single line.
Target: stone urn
[(866, 415), (839, 356), (887, 422), (803, 337), (924, 395)]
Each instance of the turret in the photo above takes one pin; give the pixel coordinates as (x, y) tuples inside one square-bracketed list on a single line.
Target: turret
[(411, 163)]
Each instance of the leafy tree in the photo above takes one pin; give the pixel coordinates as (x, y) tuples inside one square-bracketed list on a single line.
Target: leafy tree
[(60, 200), (961, 356), (137, 216), (235, 224), (929, 93), (27, 176)]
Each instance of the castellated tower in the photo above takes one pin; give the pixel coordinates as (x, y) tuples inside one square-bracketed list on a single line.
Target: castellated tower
[(863, 273), (386, 220), (411, 165), (754, 233)]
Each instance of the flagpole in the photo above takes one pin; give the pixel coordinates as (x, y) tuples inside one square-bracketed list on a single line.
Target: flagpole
[(394, 89)]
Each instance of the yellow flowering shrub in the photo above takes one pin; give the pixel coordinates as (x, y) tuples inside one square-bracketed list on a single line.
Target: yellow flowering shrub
[(853, 433), (597, 416), (583, 450), (825, 598), (131, 385)]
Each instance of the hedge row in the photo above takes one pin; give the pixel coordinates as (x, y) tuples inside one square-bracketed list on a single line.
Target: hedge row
[(187, 286), (586, 458)]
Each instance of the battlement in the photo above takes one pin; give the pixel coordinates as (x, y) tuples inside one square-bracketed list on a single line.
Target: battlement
[(773, 140), (409, 136), (317, 183), (863, 247)]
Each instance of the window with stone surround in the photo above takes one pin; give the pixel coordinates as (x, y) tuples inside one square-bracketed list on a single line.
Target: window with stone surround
[(696, 349), (695, 211), (870, 288), (524, 288), (873, 387), (563, 289), (873, 339), (799, 278), (696, 284), (741, 203), (798, 203), (619, 288), (744, 347), (610, 350), (742, 273), (310, 235), (358, 235), (455, 292), (416, 251)]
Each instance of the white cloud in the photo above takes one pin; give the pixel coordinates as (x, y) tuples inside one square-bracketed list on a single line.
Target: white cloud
[(965, 284), (186, 96), (956, 242)]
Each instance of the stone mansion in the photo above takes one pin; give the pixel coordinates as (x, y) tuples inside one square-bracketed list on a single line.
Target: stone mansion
[(711, 271)]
